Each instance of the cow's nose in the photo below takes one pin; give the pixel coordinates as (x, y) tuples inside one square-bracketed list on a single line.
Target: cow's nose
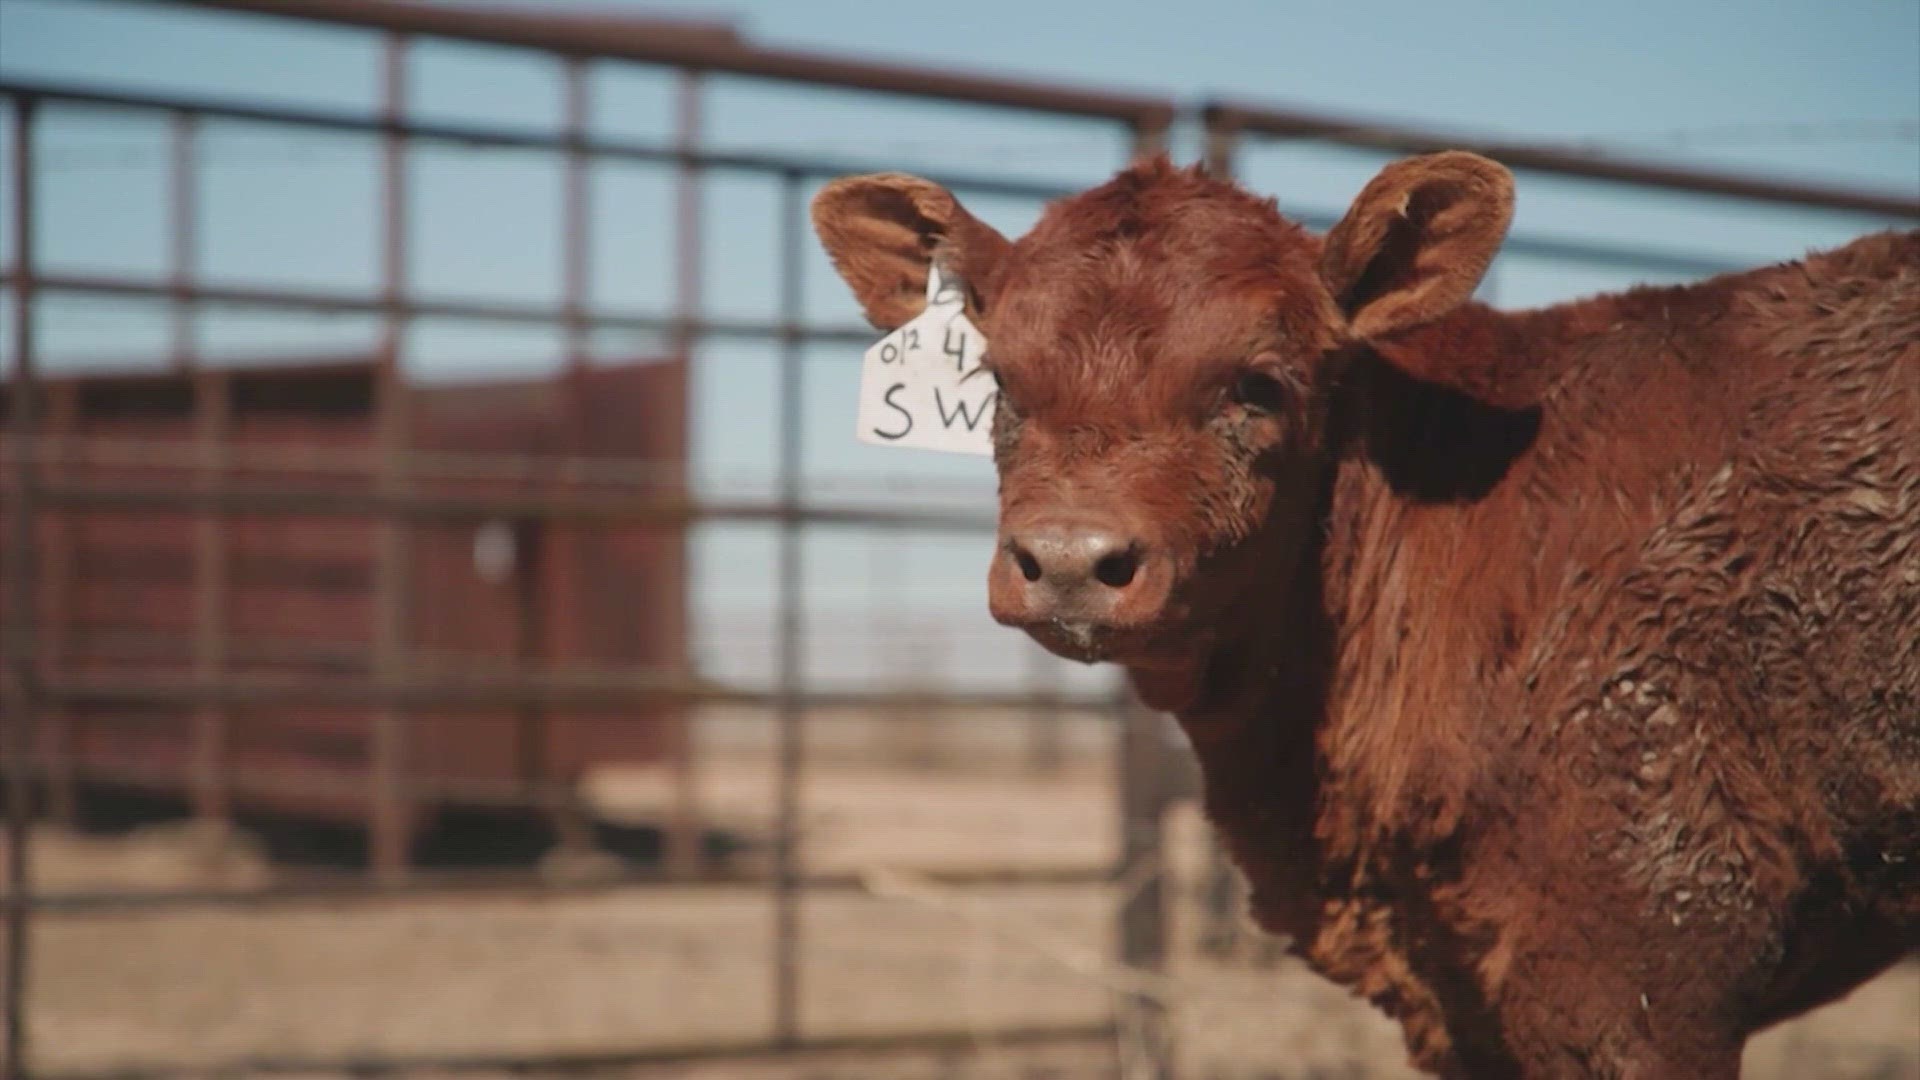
[(1066, 559), (1079, 582)]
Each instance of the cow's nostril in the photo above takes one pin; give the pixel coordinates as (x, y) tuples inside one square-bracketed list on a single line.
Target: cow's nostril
[(1116, 570), (1029, 566)]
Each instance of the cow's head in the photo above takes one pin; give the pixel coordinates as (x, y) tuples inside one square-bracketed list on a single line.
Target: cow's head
[(1165, 346)]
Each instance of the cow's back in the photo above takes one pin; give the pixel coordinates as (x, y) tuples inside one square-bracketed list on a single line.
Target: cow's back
[(1818, 504), (1829, 629), (1728, 644)]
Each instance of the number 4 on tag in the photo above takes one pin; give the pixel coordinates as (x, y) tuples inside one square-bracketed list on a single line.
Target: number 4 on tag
[(922, 386)]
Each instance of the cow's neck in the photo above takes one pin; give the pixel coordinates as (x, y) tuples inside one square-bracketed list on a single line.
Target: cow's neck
[(1424, 563), (1307, 725), (1252, 705)]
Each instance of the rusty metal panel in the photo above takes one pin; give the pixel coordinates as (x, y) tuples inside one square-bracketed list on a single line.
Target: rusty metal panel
[(299, 588), (575, 594)]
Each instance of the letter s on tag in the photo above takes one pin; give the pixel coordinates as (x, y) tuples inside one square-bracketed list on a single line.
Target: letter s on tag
[(915, 388)]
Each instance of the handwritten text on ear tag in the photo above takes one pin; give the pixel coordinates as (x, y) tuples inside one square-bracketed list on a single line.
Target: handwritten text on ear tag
[(922, 385)]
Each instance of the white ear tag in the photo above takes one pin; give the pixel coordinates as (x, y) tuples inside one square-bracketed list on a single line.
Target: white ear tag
[(922, 385)]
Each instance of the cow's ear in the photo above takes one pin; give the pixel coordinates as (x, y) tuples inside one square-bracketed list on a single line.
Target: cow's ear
[(883, 230), (1415, 243)]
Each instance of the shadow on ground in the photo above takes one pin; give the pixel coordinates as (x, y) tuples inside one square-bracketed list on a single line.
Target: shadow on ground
[(458, 837)]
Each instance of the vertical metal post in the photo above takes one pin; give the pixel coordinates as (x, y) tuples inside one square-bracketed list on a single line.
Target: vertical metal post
[(687, 241), (576, 211), (684, 821), (391, 823), (1143, 1022), (58, 730), (211, 431), (1150, 135), (786, 929), (1220, 925), (183, 226), (22, 696), (565, 809), (1222, 138), (529, 645), (212, 428), (1219, 903), (1046, 742)]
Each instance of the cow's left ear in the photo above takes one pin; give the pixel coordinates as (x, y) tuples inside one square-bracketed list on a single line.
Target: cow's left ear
[(1416, 242)]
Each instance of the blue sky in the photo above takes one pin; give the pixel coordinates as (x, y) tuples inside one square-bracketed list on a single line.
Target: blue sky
[(1814, 90)]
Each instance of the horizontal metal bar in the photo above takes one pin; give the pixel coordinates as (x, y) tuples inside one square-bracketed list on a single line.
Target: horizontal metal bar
[(612, 1062), (106, 642), (328, 302), (637, 690), (625, 476), (1589, 253), (490, 137), (601, 38), (335, 888), (345, 780), (490, 693), (1583, 251), (1283, 123), (496, 466), (321, 301), (432, 507), (1592, 253)]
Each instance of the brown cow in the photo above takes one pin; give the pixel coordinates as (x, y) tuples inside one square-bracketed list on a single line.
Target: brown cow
[(1555, 675)]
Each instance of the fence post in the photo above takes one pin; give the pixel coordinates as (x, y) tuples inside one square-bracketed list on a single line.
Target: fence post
[(19, 730), (211, 432), (391, 818), (792, 598), (1144, 1027), (1046, 726), (1221, 139), (685, 827), (1220, 931), (1143, 1024), (54, 637)]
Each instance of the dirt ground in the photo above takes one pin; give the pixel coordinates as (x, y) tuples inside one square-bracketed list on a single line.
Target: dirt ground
[(331, 981)]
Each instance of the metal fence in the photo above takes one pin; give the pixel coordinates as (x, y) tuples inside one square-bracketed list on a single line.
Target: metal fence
[(393, 495)]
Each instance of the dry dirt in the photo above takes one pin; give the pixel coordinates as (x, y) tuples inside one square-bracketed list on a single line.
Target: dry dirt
[(497, 976)]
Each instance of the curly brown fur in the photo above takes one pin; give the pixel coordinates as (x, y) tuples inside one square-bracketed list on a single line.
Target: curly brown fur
[(1555, 675)]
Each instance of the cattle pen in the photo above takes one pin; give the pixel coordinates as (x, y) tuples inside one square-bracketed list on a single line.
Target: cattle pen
[(775, 874)]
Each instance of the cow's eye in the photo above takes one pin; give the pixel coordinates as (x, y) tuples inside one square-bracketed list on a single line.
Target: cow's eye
[(1260, 391)]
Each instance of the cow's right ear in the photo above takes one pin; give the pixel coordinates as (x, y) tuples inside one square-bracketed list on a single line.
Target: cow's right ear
[(1416, 241), (883, 230)]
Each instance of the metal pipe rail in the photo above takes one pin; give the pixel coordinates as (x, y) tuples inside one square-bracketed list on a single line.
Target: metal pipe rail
[(1590, 252), (720, 52), (479, 136), (432, 507), (624, 476), (1225, 120), (328, 302), (629, 690), (617, 1062), (668, 43), (345, 888)]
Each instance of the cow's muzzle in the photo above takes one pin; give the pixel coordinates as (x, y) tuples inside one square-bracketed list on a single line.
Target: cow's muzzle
[(1082, 583)]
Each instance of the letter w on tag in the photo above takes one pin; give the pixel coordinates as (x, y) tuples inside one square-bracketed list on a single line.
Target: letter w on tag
[(922, 385)]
